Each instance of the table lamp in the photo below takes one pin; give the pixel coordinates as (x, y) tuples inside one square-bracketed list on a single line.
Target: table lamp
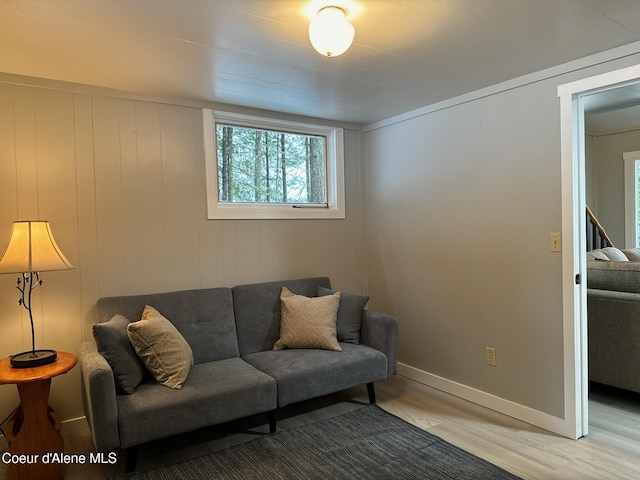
[(32, 250)]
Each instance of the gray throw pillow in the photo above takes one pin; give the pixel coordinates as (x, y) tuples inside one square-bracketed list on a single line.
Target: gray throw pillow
[(114, 345), (349, 314)]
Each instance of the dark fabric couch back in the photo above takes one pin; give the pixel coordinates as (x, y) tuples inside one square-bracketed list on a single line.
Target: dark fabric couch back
[(616, 276), (257, 310), (203, 317)]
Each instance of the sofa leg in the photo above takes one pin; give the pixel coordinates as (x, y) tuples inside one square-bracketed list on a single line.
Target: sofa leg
[(132, 459), (372, 393), (272, 421)]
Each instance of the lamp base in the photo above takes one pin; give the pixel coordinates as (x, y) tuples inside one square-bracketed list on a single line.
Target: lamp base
[(33, 358)]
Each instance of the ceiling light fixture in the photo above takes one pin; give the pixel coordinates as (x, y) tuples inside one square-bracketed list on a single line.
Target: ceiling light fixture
[(330, 32)]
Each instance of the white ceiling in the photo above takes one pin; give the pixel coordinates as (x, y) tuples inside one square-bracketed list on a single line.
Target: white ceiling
[(406, 54), (613, 110)]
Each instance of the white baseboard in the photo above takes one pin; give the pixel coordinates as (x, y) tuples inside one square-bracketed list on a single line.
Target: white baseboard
[(67, 427), (506, 407), (74, 426)]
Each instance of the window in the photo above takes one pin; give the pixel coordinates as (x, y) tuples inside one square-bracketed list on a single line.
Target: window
[(631, 199), (260, 168)]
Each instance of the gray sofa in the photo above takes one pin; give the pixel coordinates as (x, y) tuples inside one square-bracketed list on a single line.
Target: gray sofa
[(613, 310), (235, 372)]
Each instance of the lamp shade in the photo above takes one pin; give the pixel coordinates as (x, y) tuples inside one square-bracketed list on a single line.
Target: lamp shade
[(32, 248), (330, 33)]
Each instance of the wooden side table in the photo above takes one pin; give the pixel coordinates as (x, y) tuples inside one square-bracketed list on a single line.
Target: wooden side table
[(34, 430)]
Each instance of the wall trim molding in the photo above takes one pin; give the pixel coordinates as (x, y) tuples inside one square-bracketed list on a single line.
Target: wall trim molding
[(613, 132), (100, 91), (535, 77), (488, 400), (73, 426)]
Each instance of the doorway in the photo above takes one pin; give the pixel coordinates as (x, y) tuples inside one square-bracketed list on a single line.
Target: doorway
[(572, 103)]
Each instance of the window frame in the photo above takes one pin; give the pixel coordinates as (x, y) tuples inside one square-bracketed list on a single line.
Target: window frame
[(630, 199), (334, 173)]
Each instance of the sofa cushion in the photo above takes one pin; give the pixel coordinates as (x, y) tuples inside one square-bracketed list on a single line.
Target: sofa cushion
[(114, 345), (349, 314), (204, 318), (308, 322), (162, 349), (214, 392), (257, 310), (308, 373)]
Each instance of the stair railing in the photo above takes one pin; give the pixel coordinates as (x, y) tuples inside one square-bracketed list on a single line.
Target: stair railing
[(596, 235)]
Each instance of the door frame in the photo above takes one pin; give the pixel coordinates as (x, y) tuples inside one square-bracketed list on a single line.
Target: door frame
[(576, 376)]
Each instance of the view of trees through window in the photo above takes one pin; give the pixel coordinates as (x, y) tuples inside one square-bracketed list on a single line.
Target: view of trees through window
[(264, 166)]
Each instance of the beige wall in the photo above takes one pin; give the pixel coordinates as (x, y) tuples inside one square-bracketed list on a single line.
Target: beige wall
[(122, 183), (607, 177), (589, 180), (464, 199), (461, 198), (459, 205)]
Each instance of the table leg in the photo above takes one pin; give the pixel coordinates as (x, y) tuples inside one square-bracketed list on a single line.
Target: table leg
[(13, 426), (38, 434)]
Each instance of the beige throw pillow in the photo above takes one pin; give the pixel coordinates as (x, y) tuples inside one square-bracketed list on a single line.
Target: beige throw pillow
[(161, 347), (633, 254), (308, 322)]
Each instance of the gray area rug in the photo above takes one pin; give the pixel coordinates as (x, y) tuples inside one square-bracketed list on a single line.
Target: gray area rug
[(368, 443)]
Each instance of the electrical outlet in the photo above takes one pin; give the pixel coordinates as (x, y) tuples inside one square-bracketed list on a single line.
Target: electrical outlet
[(490, 356)]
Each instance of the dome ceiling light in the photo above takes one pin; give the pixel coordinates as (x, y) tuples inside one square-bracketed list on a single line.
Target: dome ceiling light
[(330, 32)]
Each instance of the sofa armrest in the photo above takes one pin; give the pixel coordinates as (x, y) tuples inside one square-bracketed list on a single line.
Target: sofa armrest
[(99, 397), (380, 331)]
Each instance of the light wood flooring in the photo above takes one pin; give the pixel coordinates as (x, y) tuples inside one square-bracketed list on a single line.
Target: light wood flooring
[(610, 451)]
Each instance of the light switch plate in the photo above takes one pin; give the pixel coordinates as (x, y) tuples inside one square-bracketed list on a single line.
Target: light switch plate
[(555, 242)]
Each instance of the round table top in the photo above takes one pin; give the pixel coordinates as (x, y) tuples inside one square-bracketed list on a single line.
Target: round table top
[(8, 374)]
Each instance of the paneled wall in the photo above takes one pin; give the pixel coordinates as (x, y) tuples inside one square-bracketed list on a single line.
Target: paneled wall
[(122, 183)]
